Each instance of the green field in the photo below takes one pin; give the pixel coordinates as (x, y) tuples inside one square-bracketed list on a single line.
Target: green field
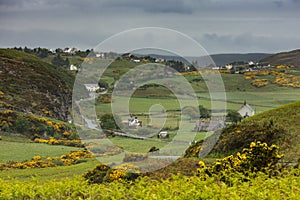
[(50, 173), (19, 149)]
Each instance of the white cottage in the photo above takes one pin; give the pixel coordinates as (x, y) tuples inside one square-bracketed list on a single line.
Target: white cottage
[(246, 110), (73, 67), (92, 87)]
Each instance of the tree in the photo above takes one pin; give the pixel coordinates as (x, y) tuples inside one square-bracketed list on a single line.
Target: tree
[(27, 50), (22, 125), (43, 53), (107, 121), (234, 116), (67, 62), (60, 62), (103, 84), (204, 112)]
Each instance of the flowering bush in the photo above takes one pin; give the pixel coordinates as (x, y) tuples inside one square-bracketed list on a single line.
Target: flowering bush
[(53, 141), (193, 150), (288, 80), (70, 158), (258, 158), (260, 82), (103, 173)]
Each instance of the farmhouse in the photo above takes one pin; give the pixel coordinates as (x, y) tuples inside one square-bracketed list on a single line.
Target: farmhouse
[(92, 87), (246, 110)]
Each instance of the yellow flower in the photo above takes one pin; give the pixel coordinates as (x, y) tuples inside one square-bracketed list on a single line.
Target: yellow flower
[(201, 164), (252, 144), (49, 123)]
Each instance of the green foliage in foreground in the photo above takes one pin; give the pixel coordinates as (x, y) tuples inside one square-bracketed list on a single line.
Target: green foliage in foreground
[(178, 187)]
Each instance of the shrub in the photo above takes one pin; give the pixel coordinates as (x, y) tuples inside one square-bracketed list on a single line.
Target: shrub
[(107, 121), (22, 125), (97, 174), (239, 136), (103, 173), (260, 157), (71, 158), (193, 150), (260, 82), (65, 142)]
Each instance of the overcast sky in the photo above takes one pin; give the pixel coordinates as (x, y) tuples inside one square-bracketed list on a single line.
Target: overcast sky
[(220, 26)]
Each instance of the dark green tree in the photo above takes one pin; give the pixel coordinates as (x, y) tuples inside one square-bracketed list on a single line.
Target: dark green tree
[(108, 122), (234, 116), (103, 84), (22, 125), (60, 62), (204, 112)]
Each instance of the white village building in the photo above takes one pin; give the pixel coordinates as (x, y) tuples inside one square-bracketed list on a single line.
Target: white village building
[(73, 67), (246, 110), (92, 87)]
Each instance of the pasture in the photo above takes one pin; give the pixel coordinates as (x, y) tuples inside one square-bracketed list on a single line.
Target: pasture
[(19, 148)]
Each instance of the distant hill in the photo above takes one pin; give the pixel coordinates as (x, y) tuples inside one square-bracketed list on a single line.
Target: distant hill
[(221, 59), (284, 58), (277, 126), (32, 85)]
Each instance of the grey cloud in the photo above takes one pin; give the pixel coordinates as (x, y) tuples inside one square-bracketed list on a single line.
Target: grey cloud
[(154, 6), (247, 42)]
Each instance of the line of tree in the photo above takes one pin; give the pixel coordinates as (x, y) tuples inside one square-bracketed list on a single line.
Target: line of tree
[(60, 62)]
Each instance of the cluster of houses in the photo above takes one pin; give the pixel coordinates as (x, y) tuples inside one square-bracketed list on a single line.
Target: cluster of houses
[(70, 51), (242, 67)]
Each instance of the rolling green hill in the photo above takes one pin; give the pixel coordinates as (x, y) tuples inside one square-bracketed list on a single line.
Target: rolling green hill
[(277, 126), (32, 85)]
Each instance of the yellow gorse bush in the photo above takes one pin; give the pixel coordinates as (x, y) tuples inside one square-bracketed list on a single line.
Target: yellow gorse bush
[(41, 162), (65, 142), (260, 82), (258, 157)]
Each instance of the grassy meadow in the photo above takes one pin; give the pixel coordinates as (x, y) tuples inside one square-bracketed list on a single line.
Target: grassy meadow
[(19, 148)]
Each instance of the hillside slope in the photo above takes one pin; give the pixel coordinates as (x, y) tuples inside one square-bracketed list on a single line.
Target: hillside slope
[(31, 85), (277, 126), (223, 59), (284, 58)]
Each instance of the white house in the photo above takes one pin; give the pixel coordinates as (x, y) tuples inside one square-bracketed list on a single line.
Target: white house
[(163, 134), (136, 60), (100, 55), (228, 66), (70, 50), (73, 68), (246, 110), (92, 87)]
